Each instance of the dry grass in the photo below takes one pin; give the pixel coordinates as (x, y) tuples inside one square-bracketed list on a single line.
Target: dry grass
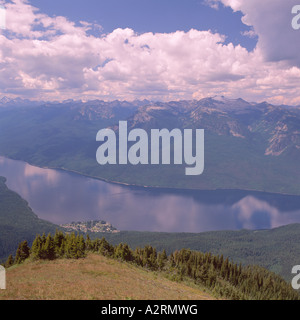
[(93, 278)]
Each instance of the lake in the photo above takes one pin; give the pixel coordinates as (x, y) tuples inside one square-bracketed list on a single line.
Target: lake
[(62, 197)]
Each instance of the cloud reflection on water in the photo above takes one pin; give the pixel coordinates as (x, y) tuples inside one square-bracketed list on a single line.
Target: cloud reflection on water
[(62, 197)]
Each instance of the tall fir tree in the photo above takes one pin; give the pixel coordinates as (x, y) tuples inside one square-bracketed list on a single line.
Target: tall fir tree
[(23, 252)]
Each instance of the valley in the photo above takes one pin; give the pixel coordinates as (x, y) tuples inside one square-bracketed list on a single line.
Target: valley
[(248, 146)]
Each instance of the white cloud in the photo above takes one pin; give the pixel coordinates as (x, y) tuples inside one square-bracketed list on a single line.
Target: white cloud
[(271, 21), (250, 33), (53, 58), (214, 4)]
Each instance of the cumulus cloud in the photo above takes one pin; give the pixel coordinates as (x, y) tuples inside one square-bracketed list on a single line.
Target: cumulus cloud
[(271, 21), (54, 58)]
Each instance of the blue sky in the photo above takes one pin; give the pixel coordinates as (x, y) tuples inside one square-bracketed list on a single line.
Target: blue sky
[(153, 16), (150, 49)]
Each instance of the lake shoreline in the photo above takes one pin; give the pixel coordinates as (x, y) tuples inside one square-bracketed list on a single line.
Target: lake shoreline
[(62, 196), (144, 186)]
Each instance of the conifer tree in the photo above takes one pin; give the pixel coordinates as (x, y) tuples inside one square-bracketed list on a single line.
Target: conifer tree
[(22, 253), (88, 243), (48, 248), (61, 250), (162, 259), (9, 262), (70, 246), (105, 248), (123, 252), (58, 240), (36, 247), (80, 246)]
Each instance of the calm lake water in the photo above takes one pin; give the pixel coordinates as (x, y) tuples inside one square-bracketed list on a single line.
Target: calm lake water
[(62, 197)]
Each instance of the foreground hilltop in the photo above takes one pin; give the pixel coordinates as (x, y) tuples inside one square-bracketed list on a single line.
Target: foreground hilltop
[(70, 255), (93, 278)]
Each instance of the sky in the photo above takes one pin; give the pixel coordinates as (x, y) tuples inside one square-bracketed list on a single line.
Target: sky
[(150, 49)]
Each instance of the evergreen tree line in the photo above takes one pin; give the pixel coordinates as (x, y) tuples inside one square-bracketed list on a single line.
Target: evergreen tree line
[(221, 276)]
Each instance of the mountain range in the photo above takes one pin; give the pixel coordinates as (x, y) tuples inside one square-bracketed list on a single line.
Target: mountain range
[(250, 146)]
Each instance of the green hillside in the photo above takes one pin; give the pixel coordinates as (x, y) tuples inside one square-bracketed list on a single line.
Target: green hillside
[(17, 221), (277, 249), (206, 272)]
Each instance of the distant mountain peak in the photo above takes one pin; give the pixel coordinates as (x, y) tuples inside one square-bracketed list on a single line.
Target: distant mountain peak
[(18, 102), (5, 100)]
